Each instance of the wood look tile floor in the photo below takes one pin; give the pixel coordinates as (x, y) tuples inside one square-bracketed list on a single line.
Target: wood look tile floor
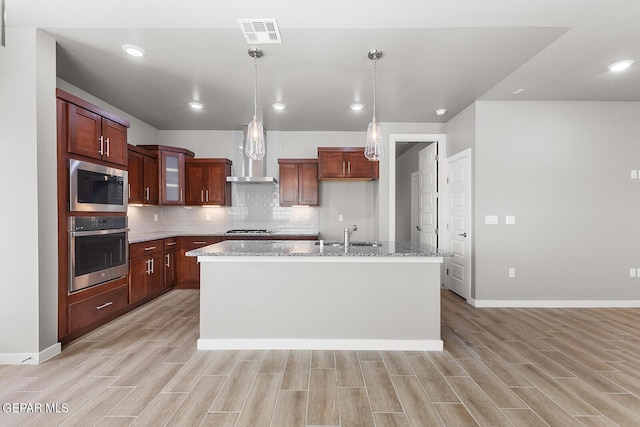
[(500, 367)]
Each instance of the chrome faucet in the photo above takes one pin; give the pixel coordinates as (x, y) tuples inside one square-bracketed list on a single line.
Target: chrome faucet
[(347, 234)]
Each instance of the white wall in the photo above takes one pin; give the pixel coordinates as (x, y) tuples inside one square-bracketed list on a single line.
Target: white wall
[(28, 307), (563, 169)]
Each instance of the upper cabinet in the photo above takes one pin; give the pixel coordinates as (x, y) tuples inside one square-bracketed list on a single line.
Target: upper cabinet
[(93, 132), (345, 163), (171, 172), (206, 181), (298, 182), (143, 176)]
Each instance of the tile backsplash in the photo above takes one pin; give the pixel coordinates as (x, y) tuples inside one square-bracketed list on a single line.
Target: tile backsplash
[(254, 206)]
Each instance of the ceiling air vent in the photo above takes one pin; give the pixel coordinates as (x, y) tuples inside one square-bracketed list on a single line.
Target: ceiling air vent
[(260, 31)]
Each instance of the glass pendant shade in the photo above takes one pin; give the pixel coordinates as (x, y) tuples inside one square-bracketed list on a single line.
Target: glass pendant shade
[(373, 148), (254, 145)]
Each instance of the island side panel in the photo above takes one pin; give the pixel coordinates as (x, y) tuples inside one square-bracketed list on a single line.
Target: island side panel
[(338, 305)]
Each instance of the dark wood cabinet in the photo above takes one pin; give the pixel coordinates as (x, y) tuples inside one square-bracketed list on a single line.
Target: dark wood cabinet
[(188, 268), (171, 172), (94, 136), (170, 266), (345, 163), (143, 176), (206, 182), (298, 182), (146, 270)]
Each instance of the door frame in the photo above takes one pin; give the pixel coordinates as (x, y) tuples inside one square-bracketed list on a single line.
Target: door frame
[(438, 138)]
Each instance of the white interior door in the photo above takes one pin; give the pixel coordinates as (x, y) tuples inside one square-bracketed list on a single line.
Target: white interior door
[(459, 222), (415, 207), (428, 174)]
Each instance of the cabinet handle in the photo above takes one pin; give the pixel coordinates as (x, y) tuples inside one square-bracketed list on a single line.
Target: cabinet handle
[(152, 266), (171, 243), (168, 264), (101, 151), (207, 195), (349, 169), (107, 304), (108, 147), (147, 193), (202, 195), (129, 190), (199, 243), (148, 266), (149, 248), (342, 168)]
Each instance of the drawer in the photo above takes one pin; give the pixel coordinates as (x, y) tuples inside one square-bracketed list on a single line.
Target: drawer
[(87, 311), (170, 243), (137, 250), (188, 243)]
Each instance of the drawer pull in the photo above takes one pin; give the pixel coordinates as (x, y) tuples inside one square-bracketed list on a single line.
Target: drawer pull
[(107, 304), (150, 248), (199, 243), (171, 243)]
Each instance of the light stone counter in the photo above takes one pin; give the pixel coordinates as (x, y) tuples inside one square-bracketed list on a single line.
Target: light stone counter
[(298, 295)]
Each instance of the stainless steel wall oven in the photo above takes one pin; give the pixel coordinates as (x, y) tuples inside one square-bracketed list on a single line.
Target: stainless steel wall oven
[(98, 250)]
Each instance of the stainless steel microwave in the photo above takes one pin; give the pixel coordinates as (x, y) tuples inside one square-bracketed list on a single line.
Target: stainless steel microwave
[(97, 188)]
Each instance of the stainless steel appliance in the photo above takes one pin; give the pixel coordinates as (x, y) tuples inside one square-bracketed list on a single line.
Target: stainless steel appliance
[(97, 188), (98, 250)]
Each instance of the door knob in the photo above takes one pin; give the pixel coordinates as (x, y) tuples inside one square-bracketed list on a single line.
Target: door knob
[(463, 234), (418, 228)]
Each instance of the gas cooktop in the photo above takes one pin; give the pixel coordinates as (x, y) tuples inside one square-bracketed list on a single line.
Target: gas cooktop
[(248, 231)]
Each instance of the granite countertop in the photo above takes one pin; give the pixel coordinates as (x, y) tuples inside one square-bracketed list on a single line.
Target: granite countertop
[(145, 237), (313, 249)]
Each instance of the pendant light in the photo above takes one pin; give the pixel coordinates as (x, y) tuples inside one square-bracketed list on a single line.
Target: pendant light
[(373, 149), (254, 145)]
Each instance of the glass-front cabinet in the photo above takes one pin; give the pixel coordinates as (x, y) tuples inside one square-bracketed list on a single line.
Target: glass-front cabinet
[(171, 173)]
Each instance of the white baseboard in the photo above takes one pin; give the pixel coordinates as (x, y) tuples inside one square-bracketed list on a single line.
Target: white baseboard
[(554, 303), (319, 344), (30, 358)]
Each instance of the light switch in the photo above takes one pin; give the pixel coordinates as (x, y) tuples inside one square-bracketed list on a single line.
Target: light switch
[(491, 219), (512, 272), (340, 217), (510, 219), (634, 174), (632, 272)]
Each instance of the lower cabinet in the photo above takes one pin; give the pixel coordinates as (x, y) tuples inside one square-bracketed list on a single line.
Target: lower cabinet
[(93, 309), (170, 266), (147, 269), (188, 268)]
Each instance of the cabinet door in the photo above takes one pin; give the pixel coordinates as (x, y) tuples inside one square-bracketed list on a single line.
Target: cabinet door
[(308, 184), (138, 279), (188, 267), (358, 166), (332, 165), (196, 183), (218, 190), (85, 131), (156, 275), (289, 184), (115, 142), (170, 270), (172, 178), (135, 167), (150, 186)]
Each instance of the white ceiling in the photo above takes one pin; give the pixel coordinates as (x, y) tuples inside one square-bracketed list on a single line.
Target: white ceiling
[(436, 54)]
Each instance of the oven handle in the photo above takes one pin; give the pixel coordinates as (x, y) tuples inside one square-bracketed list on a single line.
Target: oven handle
[(96, 232)]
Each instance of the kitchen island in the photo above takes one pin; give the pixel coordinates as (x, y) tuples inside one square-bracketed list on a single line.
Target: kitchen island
[(306, 295)]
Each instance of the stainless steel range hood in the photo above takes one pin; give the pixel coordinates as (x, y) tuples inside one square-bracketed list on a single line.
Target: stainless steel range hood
[(252, 171)]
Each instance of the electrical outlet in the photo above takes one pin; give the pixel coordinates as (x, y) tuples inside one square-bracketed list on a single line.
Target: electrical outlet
[(207, 217), (512, 272), (632, 272), (634, 174), (340, 217), (155, 217), (510, 219)]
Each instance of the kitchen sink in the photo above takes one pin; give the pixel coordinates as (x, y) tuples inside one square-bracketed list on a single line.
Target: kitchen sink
[(361, 244)]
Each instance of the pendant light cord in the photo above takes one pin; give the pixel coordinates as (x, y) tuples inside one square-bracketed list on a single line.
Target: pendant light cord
[(375, 81), (255, 89)]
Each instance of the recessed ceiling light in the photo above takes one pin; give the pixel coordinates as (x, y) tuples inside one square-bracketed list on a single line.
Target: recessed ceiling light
[(517, 91), (357, 107), (620, 65), (134, 50), (441, 111), (278, 106), (196, 105)]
